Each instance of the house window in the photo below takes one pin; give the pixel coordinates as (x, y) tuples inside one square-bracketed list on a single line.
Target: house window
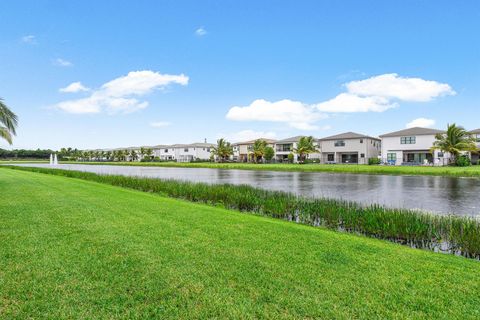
[(361, 140), (284, 147), (330, 157), (478, 137), (391, 157), (166, 150), (185, 150), (362, 155), (440, 154), (407, 140), (339, 143)]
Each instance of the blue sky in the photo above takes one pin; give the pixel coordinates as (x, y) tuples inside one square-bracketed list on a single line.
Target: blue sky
[(181, 71)]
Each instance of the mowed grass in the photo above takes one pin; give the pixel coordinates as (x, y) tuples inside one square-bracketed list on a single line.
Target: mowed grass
[(472, 171), (77, 249)]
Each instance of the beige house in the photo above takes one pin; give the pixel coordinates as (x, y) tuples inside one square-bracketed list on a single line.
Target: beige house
[(349, 147), (286, 146), (242, 150)]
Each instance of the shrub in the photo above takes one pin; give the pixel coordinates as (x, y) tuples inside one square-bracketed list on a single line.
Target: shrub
[(290, 157), (463, 161), (269, 153), (373, 161)]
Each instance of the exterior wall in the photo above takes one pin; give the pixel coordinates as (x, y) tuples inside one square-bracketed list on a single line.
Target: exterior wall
[(369, 148), (203, 152), (280, 155), (164, 153), (188, 153), (393, 145)]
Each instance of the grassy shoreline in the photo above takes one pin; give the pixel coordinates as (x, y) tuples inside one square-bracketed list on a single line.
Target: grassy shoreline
[(472, 171), (413, 228), (79, 249)]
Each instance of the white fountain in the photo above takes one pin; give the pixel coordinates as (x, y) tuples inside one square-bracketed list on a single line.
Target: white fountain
[(55, 160), (51, 159)]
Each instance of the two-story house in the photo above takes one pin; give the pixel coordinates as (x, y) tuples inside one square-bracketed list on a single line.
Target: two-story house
[(475, 156), (412, 147), (286, 146), (243, 150), (349, 147)]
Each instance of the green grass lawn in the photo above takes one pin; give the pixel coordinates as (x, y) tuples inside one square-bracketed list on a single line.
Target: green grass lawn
[(472, 171), (76, 249)]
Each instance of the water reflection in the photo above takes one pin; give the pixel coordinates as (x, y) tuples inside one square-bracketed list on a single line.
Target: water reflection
[(436, 194)]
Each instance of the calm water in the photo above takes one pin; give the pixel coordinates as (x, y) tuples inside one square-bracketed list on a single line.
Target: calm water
[(460, 196)]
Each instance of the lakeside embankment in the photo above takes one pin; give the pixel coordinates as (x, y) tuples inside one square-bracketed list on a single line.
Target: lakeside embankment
[(455, 234), (471, 171), (75, 248)]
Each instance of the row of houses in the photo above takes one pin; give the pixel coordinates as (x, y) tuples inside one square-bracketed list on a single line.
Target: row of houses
[(409, 146)]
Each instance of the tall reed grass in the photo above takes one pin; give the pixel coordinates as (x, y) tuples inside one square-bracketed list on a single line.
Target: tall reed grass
[(453, 234)]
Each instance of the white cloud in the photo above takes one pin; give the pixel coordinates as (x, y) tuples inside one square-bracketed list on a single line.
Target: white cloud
[(347, 102), (117, 96), (30, 39), (296, 114), (390, 85), (62, 62), (247, 135), (74, 87), (201, 32), (421, 122), (375, 94), (159, 124)]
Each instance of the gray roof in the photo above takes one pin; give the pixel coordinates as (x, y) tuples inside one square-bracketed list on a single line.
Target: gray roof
[(289, 140), (416, 131), (348, 135), (201, 145), (475, 131)]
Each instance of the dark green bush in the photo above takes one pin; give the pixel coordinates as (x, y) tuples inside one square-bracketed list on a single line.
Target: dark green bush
[(373, 161), (463, 161)]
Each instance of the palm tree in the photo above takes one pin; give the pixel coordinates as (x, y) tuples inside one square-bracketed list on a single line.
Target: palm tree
[(133, 155), (108, 155), (149, 153), (8, 122), (223, 150), (455, 141), (305, 146), (258, 149)]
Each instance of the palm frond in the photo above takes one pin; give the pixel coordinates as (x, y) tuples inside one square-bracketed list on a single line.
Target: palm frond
[(5, 134), (8, 118)]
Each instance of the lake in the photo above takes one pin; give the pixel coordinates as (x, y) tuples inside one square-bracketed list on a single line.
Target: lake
[(442, 195)]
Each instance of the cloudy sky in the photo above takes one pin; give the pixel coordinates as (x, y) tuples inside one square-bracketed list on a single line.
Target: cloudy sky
[(108, 73)]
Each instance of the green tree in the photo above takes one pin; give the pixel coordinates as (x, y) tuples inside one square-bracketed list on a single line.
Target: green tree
[(258, 150), (223, 150), (290, 157), (305, 146), (269, 153), (149, 153), (455, 141), (8, 122), (133, 155)]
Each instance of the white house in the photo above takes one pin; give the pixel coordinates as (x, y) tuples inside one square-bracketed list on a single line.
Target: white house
[(164, 152), (194, 151), (286, 146), (241, 150), (349, 147), (412, 146)]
